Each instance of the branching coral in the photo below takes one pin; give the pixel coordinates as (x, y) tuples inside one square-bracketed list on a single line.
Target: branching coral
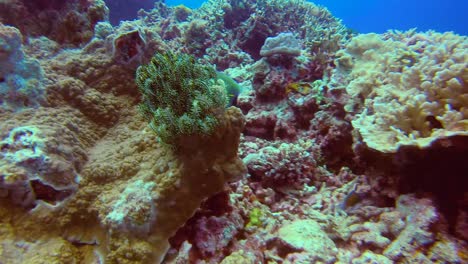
[(179, 97)]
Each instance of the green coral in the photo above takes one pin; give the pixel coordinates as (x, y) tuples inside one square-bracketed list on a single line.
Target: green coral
[(256, 217), (179, 97), (317, 88)]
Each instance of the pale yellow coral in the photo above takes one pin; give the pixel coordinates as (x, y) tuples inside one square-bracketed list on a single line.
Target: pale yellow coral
[(143, 193), (111, 161), (239, 257), (408, 89)]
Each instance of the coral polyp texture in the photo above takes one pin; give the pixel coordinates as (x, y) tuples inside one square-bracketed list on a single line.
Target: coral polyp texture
[(412, 90), (180, 98), (20, 76), (34, 170), (244, 131), (67, 22)]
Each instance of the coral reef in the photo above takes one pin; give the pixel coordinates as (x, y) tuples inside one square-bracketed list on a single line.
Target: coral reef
[(411, 90), (297, 142), (279, 165), (284, 44), (128, 47), (70, 22), (180, 98), (308, 238), (35, 169), (251, 22), (20, 76)]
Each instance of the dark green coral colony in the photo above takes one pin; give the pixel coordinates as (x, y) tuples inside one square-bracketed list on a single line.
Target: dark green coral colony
[(179, 97)]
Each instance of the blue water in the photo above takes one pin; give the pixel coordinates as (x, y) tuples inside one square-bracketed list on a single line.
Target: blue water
[(361, 15), (380, 15)]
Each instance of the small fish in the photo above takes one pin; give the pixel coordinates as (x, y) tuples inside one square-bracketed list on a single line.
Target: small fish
[(299, 87), (351, 199), (232, 87)]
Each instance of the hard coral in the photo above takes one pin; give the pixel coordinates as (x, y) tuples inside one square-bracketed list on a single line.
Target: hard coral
[(273, 76), (304, 241), (134, 210), (181, 12), (128, 47), (197, 36), (20, 76), (283, 165), (412, 90), (33, 169), (284, 44), (146, 192), (67, 22), (214, 233), (250, 23)]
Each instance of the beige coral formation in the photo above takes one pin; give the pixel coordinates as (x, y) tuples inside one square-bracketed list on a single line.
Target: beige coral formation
[(409, 89), (48, 250), (177, 185), (173, 188), (129, 194), (388, 235), (167, 190), (43, 146), (308, 236), (110, 193)]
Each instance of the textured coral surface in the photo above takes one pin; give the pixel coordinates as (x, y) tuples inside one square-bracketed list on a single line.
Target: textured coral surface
[(339, 148), (412, 89)]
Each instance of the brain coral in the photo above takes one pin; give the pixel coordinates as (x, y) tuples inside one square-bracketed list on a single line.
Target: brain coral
[(408, 88)]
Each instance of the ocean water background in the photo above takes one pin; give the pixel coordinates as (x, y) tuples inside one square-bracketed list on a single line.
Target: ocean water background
[(363, 16)]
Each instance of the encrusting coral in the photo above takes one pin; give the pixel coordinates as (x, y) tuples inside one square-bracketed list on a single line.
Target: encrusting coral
[(20, 76)]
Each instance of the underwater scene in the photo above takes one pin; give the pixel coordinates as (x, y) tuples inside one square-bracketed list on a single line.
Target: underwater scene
[(233, 132)]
